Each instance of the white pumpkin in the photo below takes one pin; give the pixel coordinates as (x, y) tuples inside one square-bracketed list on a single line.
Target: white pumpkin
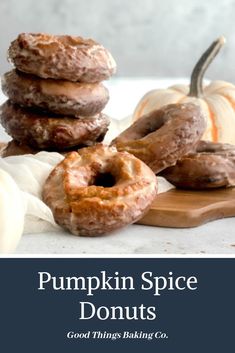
[(217, 100), (12, 213)]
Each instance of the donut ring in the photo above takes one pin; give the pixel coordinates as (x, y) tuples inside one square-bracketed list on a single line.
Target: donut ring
[(51, 132), (61, 57), (97, 190), (211, 166), (56, 96), (163, 136)]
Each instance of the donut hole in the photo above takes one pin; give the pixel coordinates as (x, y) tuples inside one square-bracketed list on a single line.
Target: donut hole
[(107, 180), (154, 125), (148, 130), (148, 126)]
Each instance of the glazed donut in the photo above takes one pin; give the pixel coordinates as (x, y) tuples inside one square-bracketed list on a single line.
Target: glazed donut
[(163, 136), (50, 131), (61, 57), (98, 189), (56, 96), (212, 165)]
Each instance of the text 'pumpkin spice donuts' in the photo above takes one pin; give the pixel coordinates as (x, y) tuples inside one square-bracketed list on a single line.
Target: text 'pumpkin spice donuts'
[(211, 166), (98, 189), (163, 136)]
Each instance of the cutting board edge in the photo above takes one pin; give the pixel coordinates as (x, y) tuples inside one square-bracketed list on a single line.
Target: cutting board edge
[(189, 218)]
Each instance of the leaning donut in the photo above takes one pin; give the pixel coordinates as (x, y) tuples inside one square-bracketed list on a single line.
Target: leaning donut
[(97, 190), (61, 57), (211, 166), (50, 131), (163, 136), (56, 96)]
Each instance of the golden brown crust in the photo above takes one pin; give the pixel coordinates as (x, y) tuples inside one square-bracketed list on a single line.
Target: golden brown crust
[(50, 131), (212, 165), (56, 96), (61, 57), (98, 190), (163, 136)]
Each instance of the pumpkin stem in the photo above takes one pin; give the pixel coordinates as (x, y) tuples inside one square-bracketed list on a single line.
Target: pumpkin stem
[(196, 89)]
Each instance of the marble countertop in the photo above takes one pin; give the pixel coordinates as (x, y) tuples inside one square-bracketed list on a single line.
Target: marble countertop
[(217, 237)]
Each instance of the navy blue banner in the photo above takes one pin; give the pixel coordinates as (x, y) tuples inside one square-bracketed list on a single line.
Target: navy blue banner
[(108, 305)]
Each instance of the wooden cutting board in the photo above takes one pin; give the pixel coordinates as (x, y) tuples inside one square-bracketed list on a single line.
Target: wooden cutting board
[(184, 209)]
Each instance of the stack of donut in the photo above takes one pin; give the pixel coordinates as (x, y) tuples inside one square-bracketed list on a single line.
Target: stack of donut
[(55, 93)]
